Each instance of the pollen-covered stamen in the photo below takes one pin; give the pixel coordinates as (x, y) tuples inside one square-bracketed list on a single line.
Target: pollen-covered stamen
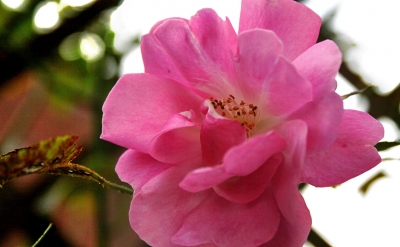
[(246, 114)]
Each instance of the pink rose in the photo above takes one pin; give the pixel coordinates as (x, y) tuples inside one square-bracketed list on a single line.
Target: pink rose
[(222, 128)]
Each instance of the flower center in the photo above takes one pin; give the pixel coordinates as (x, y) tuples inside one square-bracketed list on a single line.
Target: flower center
[(246, 114)]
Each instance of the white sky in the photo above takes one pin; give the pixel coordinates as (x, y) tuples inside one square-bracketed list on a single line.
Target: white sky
[(342, 215)]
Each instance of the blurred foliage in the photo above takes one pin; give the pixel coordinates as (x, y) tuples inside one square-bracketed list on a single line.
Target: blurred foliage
[(364, 188), (75, 78), (381, 146)]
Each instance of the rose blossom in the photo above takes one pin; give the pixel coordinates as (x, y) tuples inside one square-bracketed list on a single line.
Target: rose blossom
[(222, 128)]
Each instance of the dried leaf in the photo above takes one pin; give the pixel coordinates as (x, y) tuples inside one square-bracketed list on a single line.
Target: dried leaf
[(53, 156), (39, 158)]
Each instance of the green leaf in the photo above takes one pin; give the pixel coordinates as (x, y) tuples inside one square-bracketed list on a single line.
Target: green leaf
[(381, 146)]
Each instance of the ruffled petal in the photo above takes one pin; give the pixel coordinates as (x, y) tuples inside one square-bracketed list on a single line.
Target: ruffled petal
[(138, 168), (241, 160), (217, 38), (246, 158), (218, 134), (325, 111), (258, 53), (266, 78), (293, 232), (204, 178), (201, 50), (139, 105), (323, 117), (244, 189), (295, 24), (161, 201), (352, 153), (287, 177), (287, 90), (320, 65), (227, 224), (158, 62), (179, 140)]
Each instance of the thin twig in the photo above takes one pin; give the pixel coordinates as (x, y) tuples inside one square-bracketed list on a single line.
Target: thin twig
[(76, 170), (357, 92), (104, 182), (44, 233)]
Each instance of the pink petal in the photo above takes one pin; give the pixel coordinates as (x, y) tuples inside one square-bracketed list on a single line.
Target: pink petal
[(138, 168), (293, 232), (204, 178), (244, 189), (229, 224), (162, 203), (204, 60), (288, 91), (158, 62), (217, 135), (258, 52), (359, 127), (321, 115), (178, 140), (295, 24), (139, 105), (287, 177), (216, 37), (320, 65), (267, 77), (246, 158), (326, 109), (352, 154), (240, 160)]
